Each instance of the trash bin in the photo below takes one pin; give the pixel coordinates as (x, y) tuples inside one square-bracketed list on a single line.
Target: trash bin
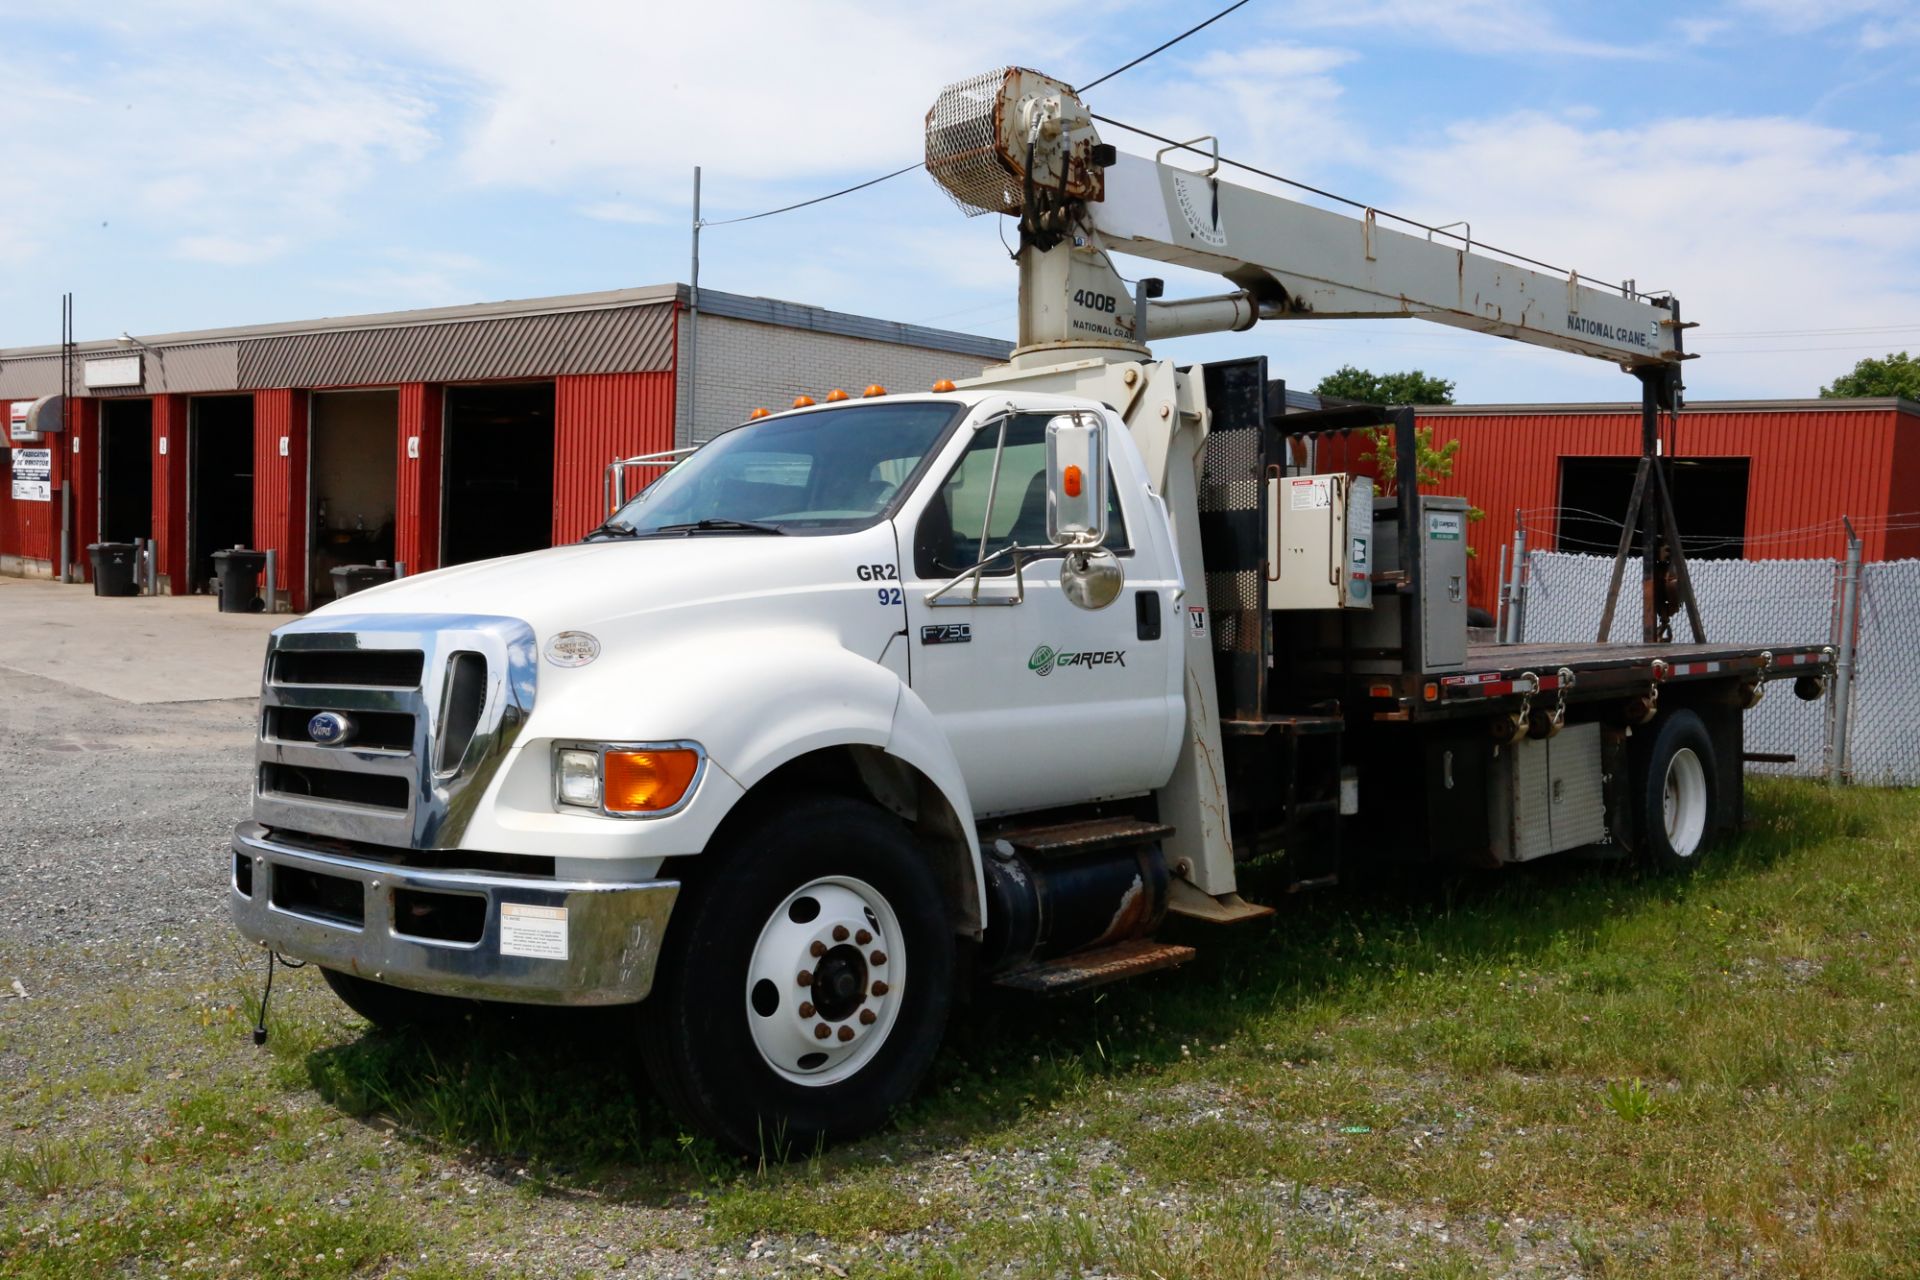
[(116, 567), (349, 578), (239, 574)]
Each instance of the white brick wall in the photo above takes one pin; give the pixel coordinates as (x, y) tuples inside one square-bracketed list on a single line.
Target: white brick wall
[(744, 366)]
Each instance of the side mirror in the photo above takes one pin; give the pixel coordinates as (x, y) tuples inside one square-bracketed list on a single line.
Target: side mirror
[(1077, 480)]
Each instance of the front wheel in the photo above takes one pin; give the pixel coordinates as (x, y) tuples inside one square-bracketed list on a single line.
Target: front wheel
[(1676, 800), (805, 982)]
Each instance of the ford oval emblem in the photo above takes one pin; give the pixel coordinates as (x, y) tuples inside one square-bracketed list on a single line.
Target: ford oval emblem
[(330, 729)]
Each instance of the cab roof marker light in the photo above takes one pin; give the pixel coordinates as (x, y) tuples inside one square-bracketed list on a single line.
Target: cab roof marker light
[(757, 414), (945, 384), (873, 389), (836, 395), (802, 401)]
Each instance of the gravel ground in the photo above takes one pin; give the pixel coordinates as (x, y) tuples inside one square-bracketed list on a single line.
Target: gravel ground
[(124, 1049)]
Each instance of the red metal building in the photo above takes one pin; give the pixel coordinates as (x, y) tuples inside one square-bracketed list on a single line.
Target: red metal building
[(423, 437), (1763, 479)]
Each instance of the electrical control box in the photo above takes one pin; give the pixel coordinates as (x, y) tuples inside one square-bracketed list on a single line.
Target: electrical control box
[(1319, 542)]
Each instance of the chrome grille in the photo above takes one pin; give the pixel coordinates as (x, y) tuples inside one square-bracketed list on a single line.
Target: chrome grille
[(437, 701)]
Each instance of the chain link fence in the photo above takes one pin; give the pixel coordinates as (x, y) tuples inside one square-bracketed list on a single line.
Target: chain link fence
[(1772, 602)]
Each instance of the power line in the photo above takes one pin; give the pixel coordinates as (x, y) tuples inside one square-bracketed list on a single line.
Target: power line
[(1161, 48), (831, 195), (874, 182)]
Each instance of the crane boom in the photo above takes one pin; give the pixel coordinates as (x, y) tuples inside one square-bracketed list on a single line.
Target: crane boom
[(1021, 143)]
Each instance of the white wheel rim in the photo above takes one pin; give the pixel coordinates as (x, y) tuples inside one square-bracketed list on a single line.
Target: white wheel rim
[(1683, 802), (840, 966)]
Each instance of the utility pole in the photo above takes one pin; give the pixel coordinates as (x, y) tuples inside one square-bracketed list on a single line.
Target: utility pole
[(693, 319)]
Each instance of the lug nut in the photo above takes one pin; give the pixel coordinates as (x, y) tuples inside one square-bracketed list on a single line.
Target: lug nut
[(806, 1009), (822, 1031), (846, 1033), (839, 933), (806, 978), (818, 949), (878, 957), (879, 988), (863, 937), (867, 1017)]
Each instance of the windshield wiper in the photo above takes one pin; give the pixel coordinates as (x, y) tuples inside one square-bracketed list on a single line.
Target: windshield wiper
[(612, 529), (719, 526)]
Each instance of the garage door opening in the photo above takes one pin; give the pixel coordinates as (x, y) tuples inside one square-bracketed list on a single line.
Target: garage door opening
[(126, 470), (219, 482), (354, 472), (1709, 501), (499, 468)]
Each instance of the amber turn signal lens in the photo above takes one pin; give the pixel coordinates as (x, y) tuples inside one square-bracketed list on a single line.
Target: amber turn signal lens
[(945, 384), (756, 414), (647, 781), (874, 389), (801, 402), (1070, 481)]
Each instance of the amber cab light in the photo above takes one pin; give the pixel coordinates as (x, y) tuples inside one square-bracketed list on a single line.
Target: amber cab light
[(801, 402), (874, 389), (648, 781), (757, 413), (1070, 481), (945, 384), (836, 395)]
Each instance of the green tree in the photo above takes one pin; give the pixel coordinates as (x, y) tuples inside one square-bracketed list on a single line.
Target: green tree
[(1368, 387), (1896, 375), (1433, 463)]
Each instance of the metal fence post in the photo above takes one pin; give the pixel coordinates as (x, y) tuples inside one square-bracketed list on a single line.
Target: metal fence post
[(1500, 599), (1517, 600), (1837, 771), (272, 592)]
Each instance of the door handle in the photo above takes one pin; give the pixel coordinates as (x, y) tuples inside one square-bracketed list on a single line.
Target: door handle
[(1146, 615)]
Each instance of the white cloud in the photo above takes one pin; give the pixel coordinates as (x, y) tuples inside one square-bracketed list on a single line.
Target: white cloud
[(229, 251), (1873, 24), (1472, 26), (1754, 223), (622, 211)]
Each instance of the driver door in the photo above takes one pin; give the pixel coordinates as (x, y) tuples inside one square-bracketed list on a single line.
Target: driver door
[(1044, 702)]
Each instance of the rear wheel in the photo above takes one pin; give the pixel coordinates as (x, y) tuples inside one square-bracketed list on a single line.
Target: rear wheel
[(1676, 798), (805, 982)]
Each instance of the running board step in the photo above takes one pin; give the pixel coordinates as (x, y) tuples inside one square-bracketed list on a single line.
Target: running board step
[(1095, 968), (1095, 835)]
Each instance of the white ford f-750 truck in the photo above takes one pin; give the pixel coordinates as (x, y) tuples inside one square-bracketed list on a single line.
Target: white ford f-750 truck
[(868, 699)]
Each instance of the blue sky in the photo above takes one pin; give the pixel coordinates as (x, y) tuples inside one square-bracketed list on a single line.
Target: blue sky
[(212, 162)]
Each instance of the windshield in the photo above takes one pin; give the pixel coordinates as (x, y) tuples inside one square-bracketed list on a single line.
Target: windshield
[(830, 471)]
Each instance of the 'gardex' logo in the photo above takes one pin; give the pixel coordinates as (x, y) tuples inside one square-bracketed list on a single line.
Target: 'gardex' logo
[(1046, 658)]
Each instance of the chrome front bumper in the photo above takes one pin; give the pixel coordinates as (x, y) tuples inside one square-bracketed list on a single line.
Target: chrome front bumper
[(584, 943)]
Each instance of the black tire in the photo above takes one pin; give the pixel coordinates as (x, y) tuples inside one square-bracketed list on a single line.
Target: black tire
[(697, 1042), (1676, 826), (394, 1008)]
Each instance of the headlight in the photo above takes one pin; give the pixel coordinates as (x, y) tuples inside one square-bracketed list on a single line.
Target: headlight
[(627, 779), (579, 773)]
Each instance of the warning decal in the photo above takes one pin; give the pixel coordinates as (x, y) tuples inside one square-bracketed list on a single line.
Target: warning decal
[(1310, 493), (537, 932)]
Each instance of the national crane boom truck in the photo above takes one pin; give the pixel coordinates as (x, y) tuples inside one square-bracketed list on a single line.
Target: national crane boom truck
[(869, 700)]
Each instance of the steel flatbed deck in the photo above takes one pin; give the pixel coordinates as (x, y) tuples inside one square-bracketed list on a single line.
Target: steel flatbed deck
[(1499, 675)]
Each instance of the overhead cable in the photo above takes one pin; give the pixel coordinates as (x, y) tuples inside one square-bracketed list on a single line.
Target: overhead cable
[(874, 182)]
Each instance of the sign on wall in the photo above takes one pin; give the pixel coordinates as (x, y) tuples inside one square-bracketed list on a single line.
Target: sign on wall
[(19, 427), (114, 371), (33, 475)]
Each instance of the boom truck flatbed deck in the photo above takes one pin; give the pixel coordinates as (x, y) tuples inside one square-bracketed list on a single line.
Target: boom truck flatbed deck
[(863, 702)]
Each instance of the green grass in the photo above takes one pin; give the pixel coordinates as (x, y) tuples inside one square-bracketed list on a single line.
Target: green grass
[(1565, 1069)]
